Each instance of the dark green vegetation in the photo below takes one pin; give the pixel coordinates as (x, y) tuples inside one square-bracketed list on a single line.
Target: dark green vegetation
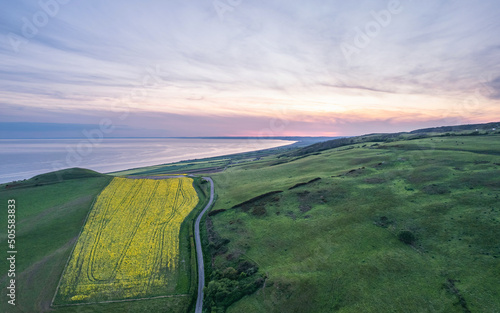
[(229, 283), (51, 210), (393, 225)]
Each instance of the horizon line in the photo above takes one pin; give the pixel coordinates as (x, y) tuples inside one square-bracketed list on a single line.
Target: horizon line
[(185, 137)]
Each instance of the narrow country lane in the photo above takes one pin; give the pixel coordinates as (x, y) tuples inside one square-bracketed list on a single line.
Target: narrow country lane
[(199, 252)]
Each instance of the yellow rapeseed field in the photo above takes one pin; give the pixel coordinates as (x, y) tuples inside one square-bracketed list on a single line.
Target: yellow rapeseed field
[(129, 246)]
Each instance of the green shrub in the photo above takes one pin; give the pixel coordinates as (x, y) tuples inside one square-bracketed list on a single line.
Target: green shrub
[(221, 293), (407, 237)]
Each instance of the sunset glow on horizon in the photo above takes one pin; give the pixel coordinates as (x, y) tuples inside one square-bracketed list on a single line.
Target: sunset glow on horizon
[(250, 68)]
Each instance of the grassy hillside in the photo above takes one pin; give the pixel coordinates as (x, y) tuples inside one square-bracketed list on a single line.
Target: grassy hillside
[(53, 178), (49, 215), (402, 226), (444, 131)]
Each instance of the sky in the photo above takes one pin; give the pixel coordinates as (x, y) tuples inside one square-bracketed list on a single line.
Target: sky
[(246, 68)]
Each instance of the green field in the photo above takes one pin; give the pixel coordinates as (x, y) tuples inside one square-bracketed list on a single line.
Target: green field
[(51, 210), (404, 226)]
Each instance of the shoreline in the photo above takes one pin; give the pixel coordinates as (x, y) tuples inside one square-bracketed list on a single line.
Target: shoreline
[(155, 160)]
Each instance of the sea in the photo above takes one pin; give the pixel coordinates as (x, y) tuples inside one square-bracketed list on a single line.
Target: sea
[(25, 158)]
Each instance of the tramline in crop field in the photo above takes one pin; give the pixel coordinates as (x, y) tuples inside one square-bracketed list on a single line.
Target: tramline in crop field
[(129, 246)]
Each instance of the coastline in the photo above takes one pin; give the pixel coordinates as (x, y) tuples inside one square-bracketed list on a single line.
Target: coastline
[(109, 162)]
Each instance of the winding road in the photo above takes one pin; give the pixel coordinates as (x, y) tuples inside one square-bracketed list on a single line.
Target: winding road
[(199, 252)]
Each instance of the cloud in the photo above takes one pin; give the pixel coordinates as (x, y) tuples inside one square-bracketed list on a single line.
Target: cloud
[(180, 58), (494, 88)]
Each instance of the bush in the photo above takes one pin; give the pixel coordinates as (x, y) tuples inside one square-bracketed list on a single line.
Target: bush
[(407, 237), (221, 293), (383, 221), (230, 273), (248, 268)]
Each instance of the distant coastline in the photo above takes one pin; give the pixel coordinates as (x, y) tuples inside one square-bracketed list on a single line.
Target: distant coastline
[(25, 158)]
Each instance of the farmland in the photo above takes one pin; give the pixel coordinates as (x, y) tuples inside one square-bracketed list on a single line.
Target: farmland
[(129, 247)]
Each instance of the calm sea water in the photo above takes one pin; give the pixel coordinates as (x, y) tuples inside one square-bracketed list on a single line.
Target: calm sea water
[(25, 158)]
